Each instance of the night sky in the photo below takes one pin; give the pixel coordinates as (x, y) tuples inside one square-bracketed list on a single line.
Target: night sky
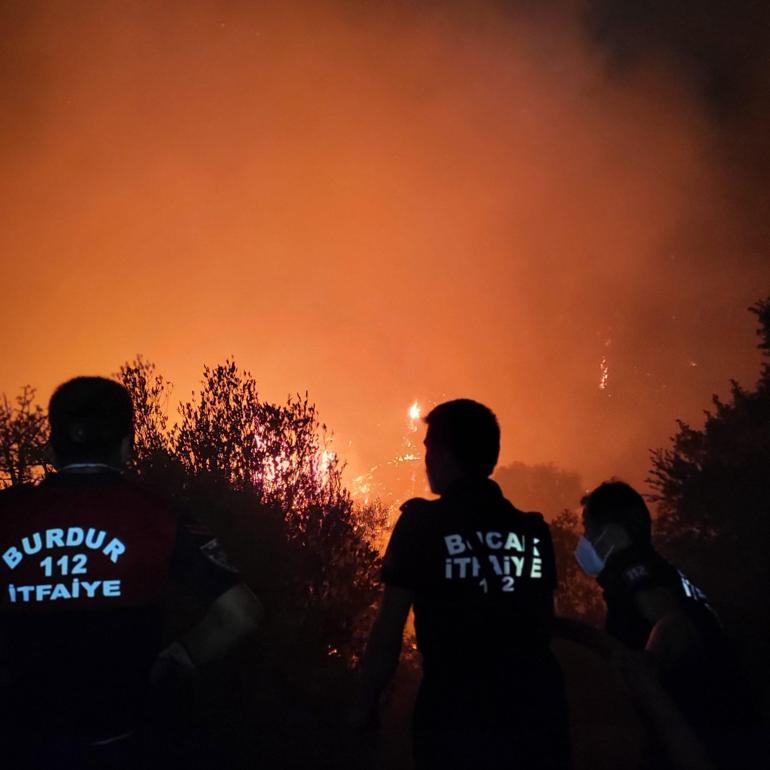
[(382, 203)]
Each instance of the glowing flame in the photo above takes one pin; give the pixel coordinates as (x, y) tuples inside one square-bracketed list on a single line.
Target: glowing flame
[(325, 461), (414, 415), (604, 368), (397, 475), (361, 486)]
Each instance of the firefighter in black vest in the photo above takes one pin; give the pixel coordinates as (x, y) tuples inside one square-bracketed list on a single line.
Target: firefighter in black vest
[(688, 665), (480, 575), (85, 557)]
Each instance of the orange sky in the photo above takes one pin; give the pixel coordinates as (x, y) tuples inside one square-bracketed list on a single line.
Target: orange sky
[(377, 206)]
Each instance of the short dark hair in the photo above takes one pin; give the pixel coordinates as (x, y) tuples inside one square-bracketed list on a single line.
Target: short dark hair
[(615, 502), (89, 417), (470, 431)]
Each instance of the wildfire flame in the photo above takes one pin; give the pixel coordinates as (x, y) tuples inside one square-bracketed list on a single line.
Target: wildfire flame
[(604, 368), (414, 416), (325, 460), (374, 484)]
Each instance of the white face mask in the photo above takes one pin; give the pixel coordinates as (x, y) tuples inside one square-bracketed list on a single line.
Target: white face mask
[(588, 558)]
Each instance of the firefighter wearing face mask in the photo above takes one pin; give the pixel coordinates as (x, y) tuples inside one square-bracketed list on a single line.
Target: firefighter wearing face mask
[(652, 606)]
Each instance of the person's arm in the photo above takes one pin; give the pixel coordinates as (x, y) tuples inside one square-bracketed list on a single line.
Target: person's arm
[(229, 619), (231, 613), (585, 635), (235, 615), (684, 749), (673, 633), (382, 653)]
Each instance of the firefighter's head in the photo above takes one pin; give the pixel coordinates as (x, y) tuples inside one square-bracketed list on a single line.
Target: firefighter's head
[(462, 441), (92, 421)]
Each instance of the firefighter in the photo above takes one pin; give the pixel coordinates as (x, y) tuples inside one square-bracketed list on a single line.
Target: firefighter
[(85, 558), (652, 607), (480, 576)]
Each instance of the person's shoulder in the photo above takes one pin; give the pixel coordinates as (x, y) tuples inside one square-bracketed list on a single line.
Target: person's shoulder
[(140, 494), (402, 564), (641, 568), (415, 513), (536, 525), (532, 518), (417, 506), (17, 494)]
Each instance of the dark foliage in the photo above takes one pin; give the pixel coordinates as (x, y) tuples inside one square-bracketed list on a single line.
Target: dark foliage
[(713, 493), (23, 439), (545, 488), (260, 475)]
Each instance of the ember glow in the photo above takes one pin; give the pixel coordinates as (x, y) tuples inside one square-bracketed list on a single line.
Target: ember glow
[(604, 368), (325, 460), (371, 201), (402, 475), (414, 416)]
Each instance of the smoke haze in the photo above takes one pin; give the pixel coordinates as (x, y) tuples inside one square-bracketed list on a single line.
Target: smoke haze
[(389, 202)]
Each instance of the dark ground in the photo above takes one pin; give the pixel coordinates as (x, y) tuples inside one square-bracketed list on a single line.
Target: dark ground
[(239, 715)]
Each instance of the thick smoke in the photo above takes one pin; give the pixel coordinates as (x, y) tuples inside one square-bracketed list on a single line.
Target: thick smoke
[(381, 202)]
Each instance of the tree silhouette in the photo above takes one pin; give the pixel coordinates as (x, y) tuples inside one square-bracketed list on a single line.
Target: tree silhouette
[(23, 439), (263, 476), (713, 492), (150, 394), (545, 488)]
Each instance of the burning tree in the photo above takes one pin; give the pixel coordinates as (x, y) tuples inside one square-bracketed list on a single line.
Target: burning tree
[(263, 477)]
